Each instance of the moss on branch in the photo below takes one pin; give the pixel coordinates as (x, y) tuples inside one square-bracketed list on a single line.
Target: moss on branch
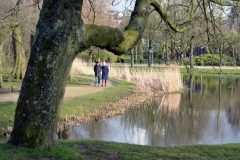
[(111, 39), (103, 37), (115, 40)]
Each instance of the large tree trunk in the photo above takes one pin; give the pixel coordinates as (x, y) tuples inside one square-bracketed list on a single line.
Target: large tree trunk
[(60, 36), (19, 52), (58, 39)]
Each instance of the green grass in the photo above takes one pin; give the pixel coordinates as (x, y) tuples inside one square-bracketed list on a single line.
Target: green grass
[(7, 115), (81, 80), (92, 149)]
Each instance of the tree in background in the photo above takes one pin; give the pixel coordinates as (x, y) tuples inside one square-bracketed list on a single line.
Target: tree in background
[(17, 29), (19, 52), (152, 35)]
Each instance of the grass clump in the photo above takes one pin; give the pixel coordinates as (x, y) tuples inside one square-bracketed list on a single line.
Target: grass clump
[(90, 149)]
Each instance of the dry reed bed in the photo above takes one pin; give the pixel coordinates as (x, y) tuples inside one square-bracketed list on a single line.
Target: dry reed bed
[(148, 84), (167, 81)]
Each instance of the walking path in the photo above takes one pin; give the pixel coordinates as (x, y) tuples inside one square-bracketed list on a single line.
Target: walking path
[(70, 92)]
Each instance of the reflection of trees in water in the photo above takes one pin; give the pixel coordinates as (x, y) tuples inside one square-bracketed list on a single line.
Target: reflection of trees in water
[(220, 95), (219, 92), (95, 130), (164, 122), (183, 119), (67, 133), (233, 109), (168, 104), (74, 132)]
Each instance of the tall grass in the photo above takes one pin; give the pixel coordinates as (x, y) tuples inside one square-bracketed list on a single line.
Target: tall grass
[(146, 80)]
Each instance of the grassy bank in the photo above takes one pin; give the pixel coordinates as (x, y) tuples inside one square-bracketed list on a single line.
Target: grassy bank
[(88, 149)]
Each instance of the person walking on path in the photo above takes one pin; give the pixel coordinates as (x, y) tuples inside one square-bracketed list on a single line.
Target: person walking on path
[(105, 72), (97, 71)]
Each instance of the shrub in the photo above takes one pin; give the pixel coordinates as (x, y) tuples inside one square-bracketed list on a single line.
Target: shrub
[(84, 56), (213, 59)]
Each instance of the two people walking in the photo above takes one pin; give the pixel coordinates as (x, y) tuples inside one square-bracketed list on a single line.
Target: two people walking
[(97, 70)]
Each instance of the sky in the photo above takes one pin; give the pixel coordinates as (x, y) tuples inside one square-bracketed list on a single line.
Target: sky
[(121, 4)]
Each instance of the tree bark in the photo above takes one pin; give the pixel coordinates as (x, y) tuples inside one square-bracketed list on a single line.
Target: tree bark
[(60, 36), (19, 53)]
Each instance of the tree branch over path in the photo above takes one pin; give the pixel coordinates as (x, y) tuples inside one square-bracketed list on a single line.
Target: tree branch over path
[(99, 36)]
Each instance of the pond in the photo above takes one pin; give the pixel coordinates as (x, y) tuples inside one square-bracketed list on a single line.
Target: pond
[(207, 113)]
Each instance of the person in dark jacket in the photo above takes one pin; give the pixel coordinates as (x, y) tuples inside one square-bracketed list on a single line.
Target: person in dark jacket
[(97, 71), (105, 72)]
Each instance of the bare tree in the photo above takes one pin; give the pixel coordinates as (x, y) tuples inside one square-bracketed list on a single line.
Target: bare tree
[(19, 52), (18, 28)]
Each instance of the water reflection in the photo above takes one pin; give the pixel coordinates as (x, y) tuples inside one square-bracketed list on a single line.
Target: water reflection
[(208, 113)]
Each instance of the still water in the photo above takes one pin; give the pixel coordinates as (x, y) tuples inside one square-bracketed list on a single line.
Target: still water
[(207, 113)]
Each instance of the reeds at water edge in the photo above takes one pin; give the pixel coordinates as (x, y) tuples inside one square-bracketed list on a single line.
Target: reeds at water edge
[(165, 81)]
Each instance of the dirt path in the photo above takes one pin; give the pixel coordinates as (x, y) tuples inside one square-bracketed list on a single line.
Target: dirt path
[(70, 92)]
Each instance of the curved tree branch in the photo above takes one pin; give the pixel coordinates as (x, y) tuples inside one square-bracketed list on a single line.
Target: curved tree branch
[(113, 39), (164, 16)]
